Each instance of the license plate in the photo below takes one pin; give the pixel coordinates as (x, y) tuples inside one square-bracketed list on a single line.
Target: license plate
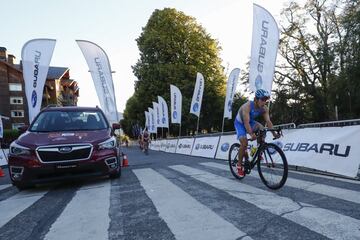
[(66, 166)]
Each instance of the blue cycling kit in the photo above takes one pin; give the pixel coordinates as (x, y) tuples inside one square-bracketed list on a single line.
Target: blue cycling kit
[(239, 123)]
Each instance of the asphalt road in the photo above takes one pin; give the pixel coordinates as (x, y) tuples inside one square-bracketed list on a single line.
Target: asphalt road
[(170, 196)]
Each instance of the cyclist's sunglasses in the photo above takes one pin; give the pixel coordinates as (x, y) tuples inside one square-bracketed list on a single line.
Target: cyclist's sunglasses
[(264, 99)]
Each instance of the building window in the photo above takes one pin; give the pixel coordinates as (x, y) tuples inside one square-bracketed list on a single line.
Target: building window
[(17, 113), (16, 87), (17, 125), (16, 100)]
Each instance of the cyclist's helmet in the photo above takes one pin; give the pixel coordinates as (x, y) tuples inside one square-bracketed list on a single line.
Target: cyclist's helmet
[(262, 93)]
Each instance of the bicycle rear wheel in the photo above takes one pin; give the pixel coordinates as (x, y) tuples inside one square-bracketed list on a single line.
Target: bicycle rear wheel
[(233, 160), (272, 166)]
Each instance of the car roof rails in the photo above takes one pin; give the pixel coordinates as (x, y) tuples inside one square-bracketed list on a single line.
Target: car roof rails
[(51, 105)]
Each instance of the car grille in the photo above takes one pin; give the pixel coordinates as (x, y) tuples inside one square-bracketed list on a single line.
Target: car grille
[(64, 153)]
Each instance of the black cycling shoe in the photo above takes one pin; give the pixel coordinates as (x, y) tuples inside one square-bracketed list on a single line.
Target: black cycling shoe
[(247, 166)]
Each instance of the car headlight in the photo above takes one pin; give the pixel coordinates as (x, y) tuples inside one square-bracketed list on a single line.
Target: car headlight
[(108, 144), (17, 149)]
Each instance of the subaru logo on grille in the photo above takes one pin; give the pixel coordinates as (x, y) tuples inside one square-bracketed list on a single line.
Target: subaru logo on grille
[(65, 149)]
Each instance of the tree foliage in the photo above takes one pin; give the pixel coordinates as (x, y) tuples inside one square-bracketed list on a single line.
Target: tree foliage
[(173, 48), (319, 63)]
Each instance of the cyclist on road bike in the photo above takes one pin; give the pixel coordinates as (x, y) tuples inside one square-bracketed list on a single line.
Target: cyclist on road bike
[(140, 141), (245, 122), (145, 139)]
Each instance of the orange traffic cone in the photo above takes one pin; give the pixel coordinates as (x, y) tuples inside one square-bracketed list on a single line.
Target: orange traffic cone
[(125, 161), (2, 174)]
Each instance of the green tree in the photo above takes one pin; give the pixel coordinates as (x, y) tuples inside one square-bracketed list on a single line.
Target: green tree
[(319, 64), (308, 63), (173, 48), (346, 85)]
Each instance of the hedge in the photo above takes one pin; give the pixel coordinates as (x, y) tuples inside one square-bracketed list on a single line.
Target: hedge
[(9, 136)]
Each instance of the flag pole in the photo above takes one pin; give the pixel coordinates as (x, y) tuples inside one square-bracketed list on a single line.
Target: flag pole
[(197, 127), (222, 128)]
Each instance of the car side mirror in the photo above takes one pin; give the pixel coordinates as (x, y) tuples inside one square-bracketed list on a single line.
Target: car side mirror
[(116, 126), (23, 129)]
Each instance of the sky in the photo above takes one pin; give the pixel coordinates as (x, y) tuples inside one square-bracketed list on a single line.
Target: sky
[(114, 25)]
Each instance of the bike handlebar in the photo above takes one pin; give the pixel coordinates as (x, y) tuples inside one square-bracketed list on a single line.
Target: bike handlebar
[(261, 132)]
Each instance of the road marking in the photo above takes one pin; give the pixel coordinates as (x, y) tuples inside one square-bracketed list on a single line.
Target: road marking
[(4, 186), (86, 216), (322, 221), (344, 194), (185, 216), (14, 205)]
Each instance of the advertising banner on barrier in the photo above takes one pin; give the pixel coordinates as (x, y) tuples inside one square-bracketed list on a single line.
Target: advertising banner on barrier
[(224, 146), (331, 149), (171, 145), (184, 146), (205, 147), (163, 145), (157, 145), (152, 145)]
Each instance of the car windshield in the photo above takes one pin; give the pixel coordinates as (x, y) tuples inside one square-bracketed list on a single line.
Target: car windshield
[(58, 121)]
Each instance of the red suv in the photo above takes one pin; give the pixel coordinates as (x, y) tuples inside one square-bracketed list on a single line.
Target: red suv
[(63, 143)]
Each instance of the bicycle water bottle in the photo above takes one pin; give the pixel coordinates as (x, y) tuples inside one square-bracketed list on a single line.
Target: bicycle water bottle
[(253, 151)]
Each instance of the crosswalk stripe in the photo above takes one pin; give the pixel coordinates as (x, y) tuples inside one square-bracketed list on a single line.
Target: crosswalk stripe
[(86, 216), (322, 221), (344, 194), (14, 205), (4, 186), (185, 216)]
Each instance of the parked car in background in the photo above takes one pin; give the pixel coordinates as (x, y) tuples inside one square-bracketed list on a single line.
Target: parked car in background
[(65, 143)]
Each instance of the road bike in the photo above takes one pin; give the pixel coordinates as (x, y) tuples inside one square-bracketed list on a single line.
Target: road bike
[(146, 147), (271, 161)]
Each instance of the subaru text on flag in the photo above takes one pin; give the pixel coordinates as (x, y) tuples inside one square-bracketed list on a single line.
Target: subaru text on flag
[(63, 143)]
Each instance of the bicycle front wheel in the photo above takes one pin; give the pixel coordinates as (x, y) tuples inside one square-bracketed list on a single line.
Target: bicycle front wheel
[(272, 166), (233, 160)]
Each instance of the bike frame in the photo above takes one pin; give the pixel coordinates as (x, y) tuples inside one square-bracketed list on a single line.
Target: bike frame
[(262, 144)]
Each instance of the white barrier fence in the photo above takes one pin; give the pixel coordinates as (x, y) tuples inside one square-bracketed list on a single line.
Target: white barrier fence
[(332, 149), (184, 146), (205, 146)]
